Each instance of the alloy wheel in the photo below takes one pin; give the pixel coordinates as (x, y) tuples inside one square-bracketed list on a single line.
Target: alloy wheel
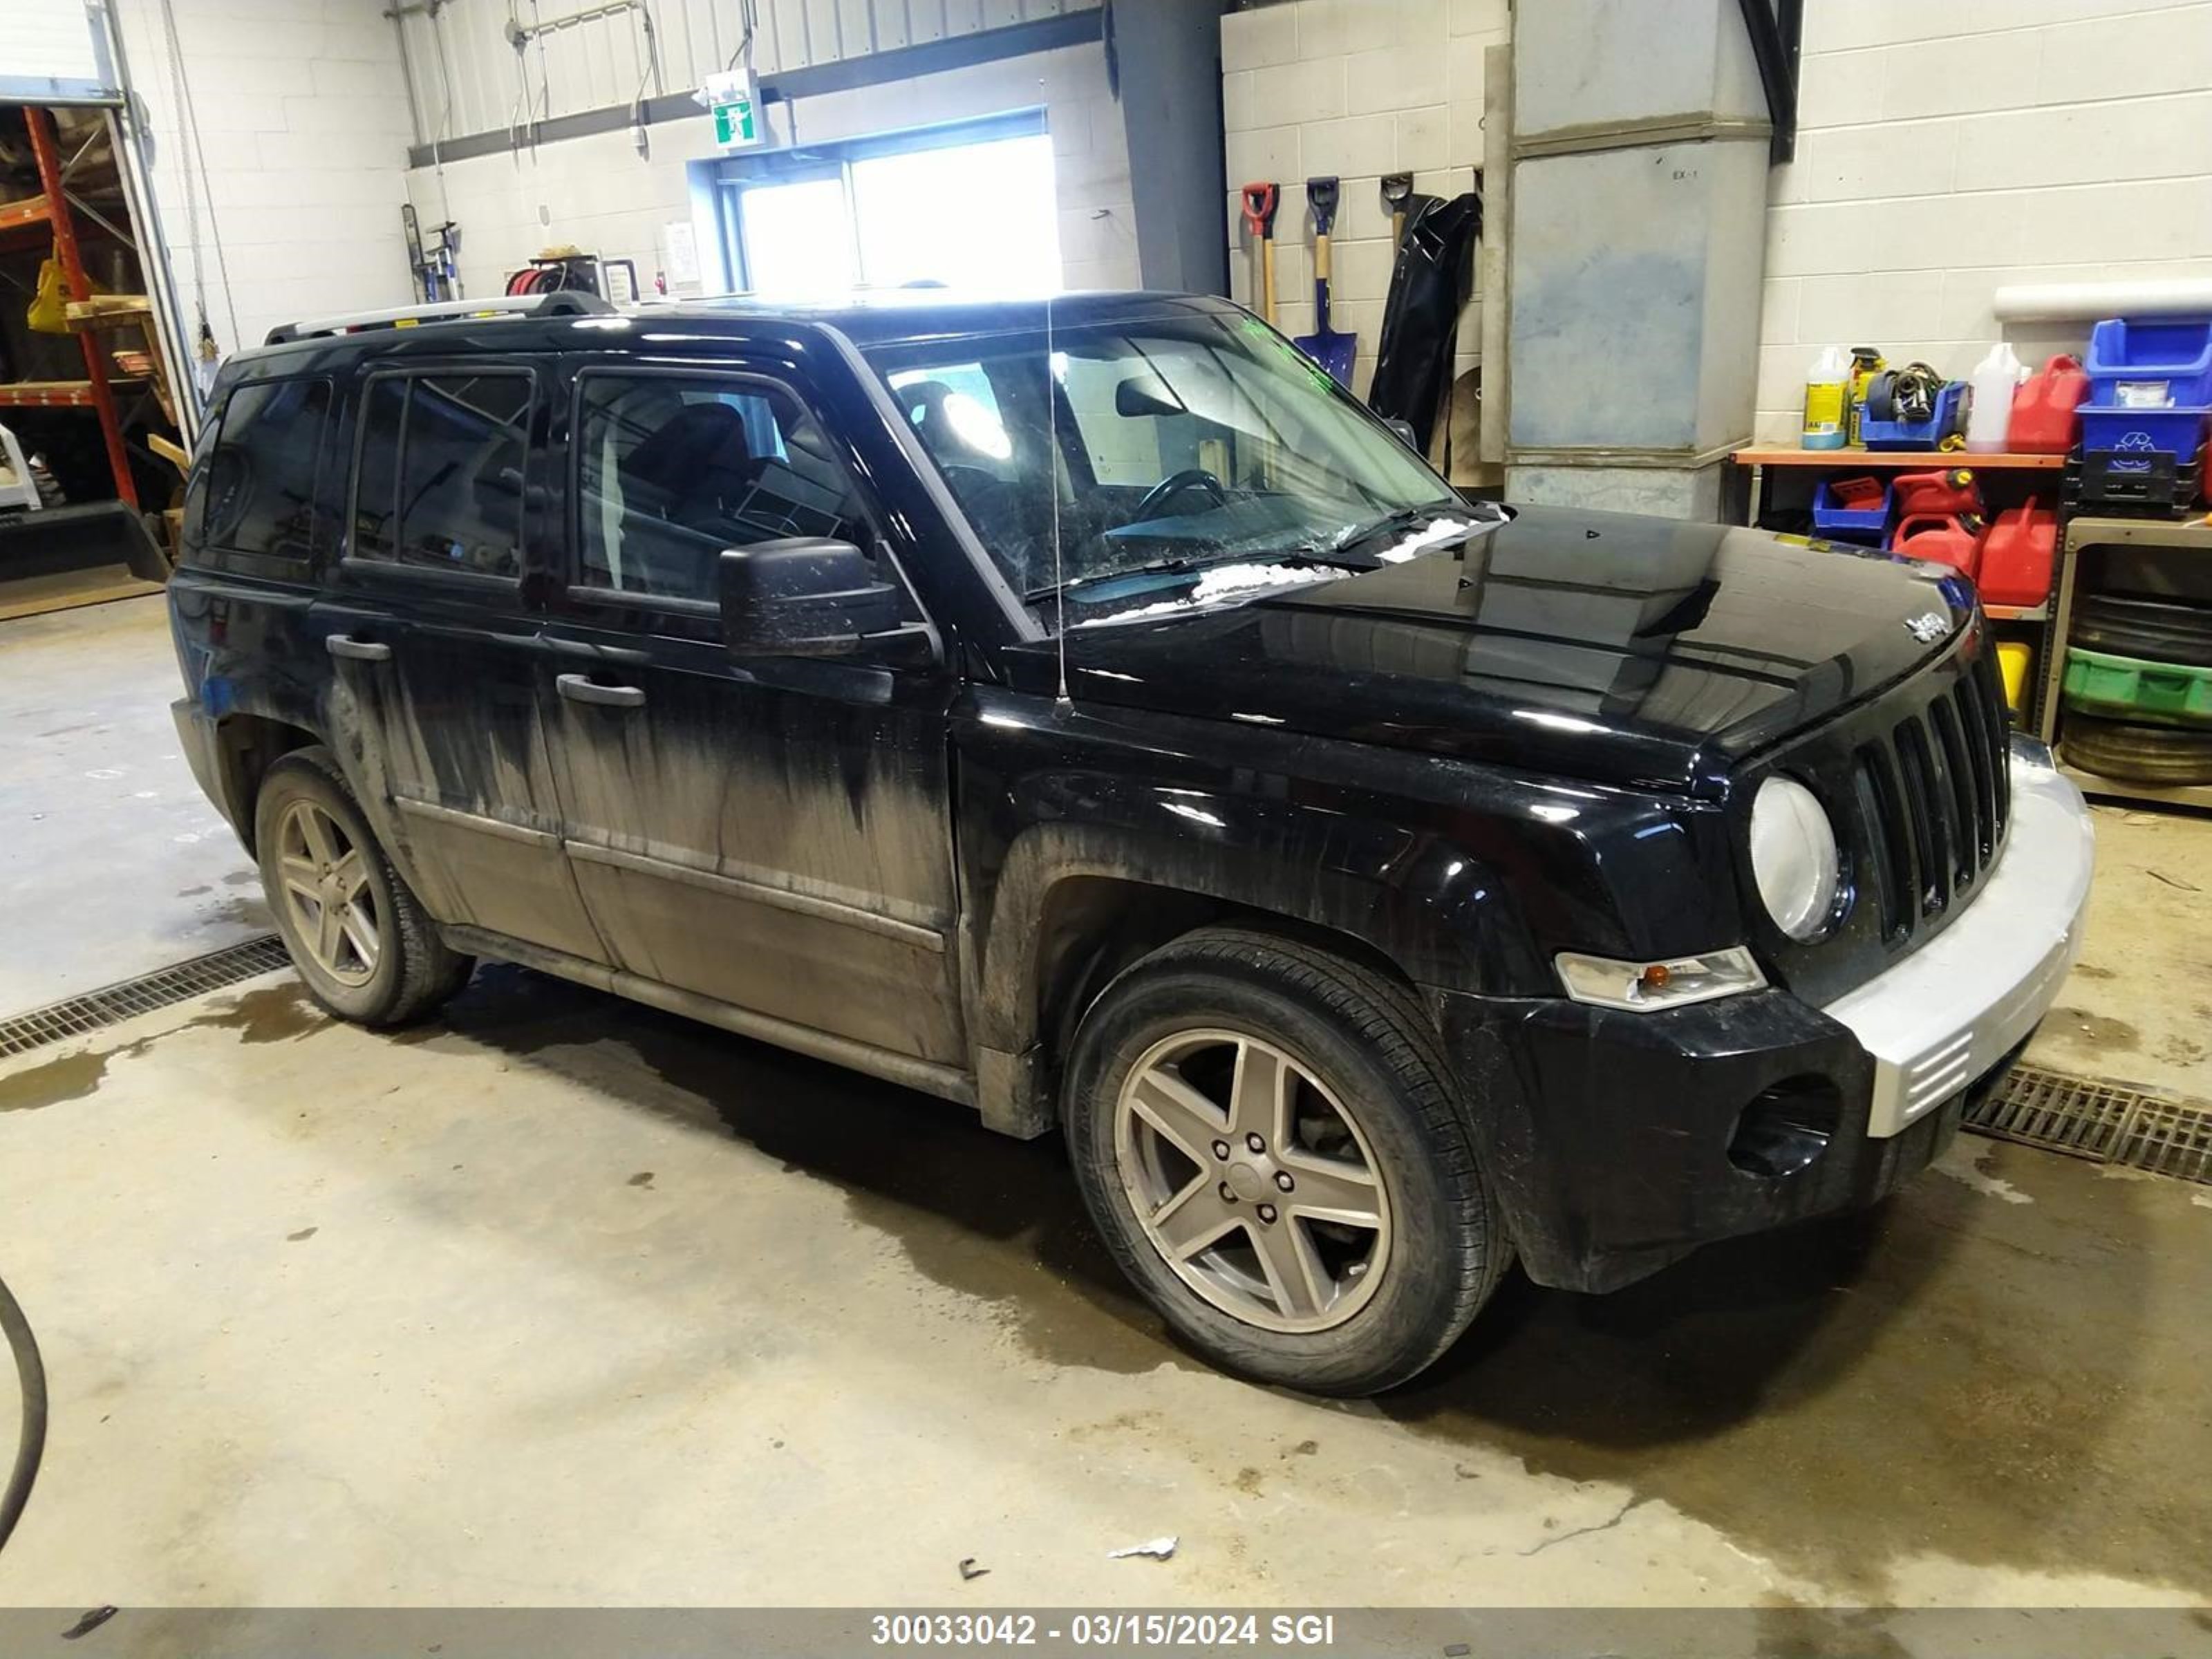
[(327, 892), (1253, 1180)]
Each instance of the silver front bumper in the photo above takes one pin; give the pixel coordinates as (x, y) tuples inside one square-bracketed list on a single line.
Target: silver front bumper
[(1960, 1003)]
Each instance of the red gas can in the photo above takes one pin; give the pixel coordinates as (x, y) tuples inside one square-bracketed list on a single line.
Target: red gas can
[(2016, 566), (1949, 489), (1937, 537), (2043, 418)]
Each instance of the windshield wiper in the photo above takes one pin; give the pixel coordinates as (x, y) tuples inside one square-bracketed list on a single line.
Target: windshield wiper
[(1159, 568), (1404, 519), (1293, 556)]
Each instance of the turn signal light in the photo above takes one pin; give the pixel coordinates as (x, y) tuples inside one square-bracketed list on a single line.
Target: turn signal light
[(1647, 987)]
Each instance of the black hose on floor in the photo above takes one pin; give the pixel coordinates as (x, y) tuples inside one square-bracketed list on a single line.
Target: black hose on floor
[(32, 1374)]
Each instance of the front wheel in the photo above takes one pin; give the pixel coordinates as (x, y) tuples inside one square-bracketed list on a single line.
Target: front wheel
[(1267, 1136), (362, 942)]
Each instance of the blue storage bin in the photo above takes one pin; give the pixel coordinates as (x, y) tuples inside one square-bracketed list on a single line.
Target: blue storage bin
[(1867, 525), (1918, 435), (2151, 362), (2176, 432)]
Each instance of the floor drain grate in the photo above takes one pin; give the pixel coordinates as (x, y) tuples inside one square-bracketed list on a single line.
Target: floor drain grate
[(110, 1004), (2100, 1122)]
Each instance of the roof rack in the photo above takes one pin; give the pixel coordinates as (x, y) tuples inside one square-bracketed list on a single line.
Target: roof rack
[(566, 302)]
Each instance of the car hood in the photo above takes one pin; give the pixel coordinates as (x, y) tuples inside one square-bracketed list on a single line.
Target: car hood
[(1601, 646)]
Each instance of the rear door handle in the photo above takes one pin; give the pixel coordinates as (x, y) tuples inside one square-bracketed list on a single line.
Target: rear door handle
[(581, 688), (340, 645)]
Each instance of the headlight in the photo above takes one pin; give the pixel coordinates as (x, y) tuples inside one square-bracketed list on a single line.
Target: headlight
[(1793, 857)]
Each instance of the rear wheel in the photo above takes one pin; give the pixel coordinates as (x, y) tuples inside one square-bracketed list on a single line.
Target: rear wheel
[(361, 940), (1267, 1137)]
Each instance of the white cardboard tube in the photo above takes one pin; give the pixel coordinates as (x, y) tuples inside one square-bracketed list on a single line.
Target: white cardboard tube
[(2036, 302)]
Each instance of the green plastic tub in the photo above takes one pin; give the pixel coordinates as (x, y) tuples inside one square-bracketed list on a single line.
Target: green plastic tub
[(2098, 684)]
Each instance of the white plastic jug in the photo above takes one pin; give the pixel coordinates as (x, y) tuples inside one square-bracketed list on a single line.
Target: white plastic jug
[(1824, 399), (1991, 413)]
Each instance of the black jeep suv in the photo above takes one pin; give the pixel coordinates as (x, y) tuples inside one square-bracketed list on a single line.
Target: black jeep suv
[(1086, 711)]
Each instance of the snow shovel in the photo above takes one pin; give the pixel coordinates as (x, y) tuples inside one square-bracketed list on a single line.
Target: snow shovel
[(1397, 187), (1259, 219), (1325, 345)]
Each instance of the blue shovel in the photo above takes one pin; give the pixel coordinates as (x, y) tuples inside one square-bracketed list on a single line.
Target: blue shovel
[(1327, 347)]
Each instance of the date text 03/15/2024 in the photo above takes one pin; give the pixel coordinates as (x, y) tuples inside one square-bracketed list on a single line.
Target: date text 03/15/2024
[(1163, 1629)]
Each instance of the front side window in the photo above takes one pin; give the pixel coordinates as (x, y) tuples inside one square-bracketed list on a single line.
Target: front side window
[(1175, 445), (254, 485), (672, 469), (441, 478)]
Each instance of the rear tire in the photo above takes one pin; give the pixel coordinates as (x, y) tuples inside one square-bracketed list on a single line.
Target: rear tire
[(361, 940), (1328, 1087)]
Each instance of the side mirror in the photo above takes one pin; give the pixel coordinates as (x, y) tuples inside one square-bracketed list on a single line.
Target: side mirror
[(1404, 429), (803, 596)]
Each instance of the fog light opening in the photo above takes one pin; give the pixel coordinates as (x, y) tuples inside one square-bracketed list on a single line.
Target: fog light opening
[(1786, 1127)]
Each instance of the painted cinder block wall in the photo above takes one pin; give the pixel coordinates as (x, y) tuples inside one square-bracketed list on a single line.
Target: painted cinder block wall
[(1360, 89), (303, 126), (304, 123), (1947, 148), (598, 194), (1944, 149)]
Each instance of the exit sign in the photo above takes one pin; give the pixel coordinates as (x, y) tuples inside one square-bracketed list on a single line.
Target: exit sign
[(737, 122), (734, 97)]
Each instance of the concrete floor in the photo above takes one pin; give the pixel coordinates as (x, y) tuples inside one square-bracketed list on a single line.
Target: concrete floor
[(112, 862), (562, 1300)]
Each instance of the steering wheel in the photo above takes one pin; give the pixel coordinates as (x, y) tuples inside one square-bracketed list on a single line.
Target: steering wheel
[(1191, 478)]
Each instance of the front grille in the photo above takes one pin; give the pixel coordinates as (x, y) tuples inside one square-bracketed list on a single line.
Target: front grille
[(1932, 790)]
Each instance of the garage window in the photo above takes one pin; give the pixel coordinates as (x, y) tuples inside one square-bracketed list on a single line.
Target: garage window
[(967, 207), (440, 476)]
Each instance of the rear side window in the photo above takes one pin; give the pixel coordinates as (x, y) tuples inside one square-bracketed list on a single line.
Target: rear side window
[(441, 479), (255, 488)]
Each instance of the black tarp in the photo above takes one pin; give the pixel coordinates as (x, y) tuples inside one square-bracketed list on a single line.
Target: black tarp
[(1429, 288)]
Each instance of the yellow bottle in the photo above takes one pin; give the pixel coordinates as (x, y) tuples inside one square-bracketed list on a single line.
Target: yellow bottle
[(1866, 363), (2014, 659)]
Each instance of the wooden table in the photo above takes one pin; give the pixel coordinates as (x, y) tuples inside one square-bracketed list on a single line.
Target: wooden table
[(1875, 459), (1757, 458)]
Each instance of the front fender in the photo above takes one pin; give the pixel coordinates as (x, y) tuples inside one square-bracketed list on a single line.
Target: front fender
[(1466, 877), (1433, 910)]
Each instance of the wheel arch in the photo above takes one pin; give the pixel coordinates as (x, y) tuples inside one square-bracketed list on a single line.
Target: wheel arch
[(1075, 905), (1093, 927), (246, 746)]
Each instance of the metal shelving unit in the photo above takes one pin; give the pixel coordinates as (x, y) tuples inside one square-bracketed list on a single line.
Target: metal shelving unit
[(2185, 536), (96, 392)]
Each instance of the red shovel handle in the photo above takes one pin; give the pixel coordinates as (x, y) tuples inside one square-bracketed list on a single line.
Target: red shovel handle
[(1260, 202)]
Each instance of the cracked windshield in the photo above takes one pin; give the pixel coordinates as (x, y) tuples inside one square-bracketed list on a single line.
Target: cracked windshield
[(1200, 460)]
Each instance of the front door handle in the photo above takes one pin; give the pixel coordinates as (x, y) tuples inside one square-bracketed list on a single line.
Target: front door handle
[(581, 688), (357, 650)]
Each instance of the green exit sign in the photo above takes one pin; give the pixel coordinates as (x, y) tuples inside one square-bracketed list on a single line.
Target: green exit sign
[(737, 122)]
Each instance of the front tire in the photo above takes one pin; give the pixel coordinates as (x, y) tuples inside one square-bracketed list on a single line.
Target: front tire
[(361, 940), (1267, 1137)]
